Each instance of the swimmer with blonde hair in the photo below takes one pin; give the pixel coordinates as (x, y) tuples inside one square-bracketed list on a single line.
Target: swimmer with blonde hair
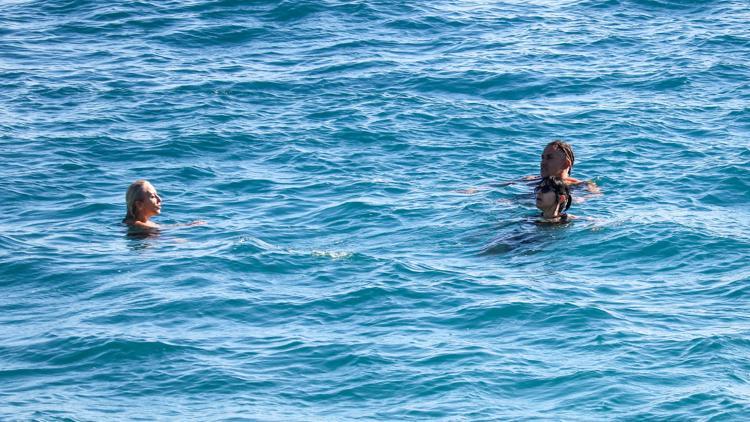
[(557, 160), (143, 203)]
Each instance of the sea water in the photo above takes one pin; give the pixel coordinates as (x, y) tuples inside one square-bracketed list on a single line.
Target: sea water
[(364, 257)]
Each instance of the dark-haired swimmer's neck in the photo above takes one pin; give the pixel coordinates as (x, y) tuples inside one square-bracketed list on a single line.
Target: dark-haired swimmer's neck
[(559, 219)]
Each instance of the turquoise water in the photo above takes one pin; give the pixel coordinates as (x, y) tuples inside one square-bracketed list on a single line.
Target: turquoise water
[(344, 272)]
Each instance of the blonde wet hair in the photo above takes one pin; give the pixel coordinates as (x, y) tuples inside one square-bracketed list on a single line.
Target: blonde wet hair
[(136, 192), (567, 150)]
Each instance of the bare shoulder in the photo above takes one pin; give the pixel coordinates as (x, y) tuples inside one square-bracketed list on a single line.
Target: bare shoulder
[(142, 225)]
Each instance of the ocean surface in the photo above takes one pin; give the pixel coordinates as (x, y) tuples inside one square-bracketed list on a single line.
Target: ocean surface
[(364, 257)]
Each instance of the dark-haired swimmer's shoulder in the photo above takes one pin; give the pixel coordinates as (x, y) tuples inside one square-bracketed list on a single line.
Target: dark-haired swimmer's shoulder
[(562, 219)]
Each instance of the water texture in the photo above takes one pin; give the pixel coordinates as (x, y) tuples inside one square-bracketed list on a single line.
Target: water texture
[(363, 258)]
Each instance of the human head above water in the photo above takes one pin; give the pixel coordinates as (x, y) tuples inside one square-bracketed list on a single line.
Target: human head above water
[(552, 196), (557, 159), (142, 202)]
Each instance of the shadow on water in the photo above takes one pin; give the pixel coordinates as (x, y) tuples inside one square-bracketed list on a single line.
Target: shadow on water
[(527, 236), (140, 239)]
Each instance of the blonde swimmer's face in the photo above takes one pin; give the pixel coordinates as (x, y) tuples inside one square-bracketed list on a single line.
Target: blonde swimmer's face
[(554, 162), (150, 205)]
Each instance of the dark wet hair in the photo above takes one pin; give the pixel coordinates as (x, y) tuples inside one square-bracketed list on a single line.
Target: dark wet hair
[(567, 150), (557, 185)]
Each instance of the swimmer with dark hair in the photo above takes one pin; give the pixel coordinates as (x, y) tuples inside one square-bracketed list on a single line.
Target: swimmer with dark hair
[(553, 199), (143, 203)]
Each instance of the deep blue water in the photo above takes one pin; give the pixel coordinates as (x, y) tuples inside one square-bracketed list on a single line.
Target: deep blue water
[(345, 272)]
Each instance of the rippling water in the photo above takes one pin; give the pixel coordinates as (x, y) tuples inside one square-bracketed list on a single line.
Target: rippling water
[(345, 272)]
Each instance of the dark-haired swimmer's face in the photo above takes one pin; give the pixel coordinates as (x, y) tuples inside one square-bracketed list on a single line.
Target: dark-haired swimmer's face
[(554, 162), (546, 198)]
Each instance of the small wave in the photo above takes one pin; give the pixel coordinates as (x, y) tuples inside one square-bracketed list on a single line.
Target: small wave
[(571, 316), (88, 351), (212, 36), (332, 254), (688, 5), (256, 244), (291, 11)]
